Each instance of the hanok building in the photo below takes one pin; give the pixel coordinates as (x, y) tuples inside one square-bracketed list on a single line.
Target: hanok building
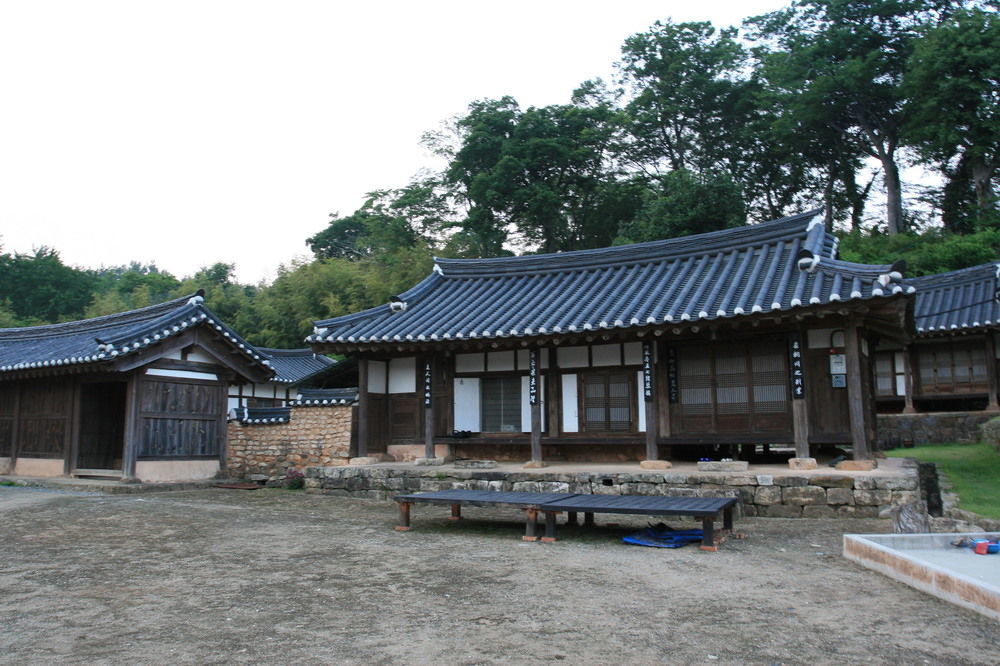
[(951, 363), (747, 336), (135, 395), (293, 368)]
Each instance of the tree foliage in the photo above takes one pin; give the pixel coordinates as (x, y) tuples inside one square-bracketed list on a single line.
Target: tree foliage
[(702, 128)]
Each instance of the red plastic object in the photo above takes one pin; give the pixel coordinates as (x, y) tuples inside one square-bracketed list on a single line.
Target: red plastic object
[(982, 547)]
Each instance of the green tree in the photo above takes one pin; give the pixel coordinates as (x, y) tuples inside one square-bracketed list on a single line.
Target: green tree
[(953, 91), (841, 65), (39, 288), (684, 203), (542, 177)]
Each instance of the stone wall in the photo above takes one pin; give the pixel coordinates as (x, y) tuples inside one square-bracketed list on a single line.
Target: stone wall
[(313, 436), (896, 430), (807, 495)]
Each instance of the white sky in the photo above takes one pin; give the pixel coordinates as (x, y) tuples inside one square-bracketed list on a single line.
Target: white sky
[(189, 132)]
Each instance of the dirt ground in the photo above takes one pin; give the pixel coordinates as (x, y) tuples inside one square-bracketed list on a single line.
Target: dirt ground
[(269, 576)]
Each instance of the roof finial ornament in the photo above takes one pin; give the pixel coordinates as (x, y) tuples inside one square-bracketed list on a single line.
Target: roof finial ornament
[(396, 304), (198, 298), (807, 261)]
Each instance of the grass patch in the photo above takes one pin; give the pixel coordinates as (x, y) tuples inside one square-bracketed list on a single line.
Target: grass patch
[(973, 469)]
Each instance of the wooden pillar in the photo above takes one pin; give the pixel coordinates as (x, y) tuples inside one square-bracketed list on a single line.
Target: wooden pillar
[(908, 383), (16, 425), (553, 394), (856, 393), (649, 402), (991, 373), (535, 404), (428, 407), (800, 411), (133, 429), (364, 408)]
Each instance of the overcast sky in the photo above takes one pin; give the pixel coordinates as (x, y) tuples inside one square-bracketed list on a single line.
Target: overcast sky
[(185, 133)]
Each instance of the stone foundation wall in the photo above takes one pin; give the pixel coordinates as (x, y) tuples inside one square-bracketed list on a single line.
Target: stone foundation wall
[(313, 436), (819, 495), (896, 430)]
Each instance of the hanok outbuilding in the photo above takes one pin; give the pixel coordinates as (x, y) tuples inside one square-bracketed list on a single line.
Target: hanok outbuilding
[(746, 336), (951, 362), (293, 369), (136, 395)]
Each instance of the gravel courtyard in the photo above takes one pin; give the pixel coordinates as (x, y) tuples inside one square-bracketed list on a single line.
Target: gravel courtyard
[(274, 576)]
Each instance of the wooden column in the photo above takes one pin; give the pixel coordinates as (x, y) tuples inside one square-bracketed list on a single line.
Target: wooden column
[(553, 394), (535, 404), (133, 430), (856, 394), (428, 397), (800, 411), (649, 402), (908, 383), (991, 373), (364, 409)]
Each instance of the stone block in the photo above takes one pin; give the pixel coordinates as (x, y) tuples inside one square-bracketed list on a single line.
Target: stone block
[(803, 495), (819, 511), (831, 481), (740, 480), (749, 510), (857, 465), (779, 511), (896, 483), (865, 483), (767, 495), (364, 460), (790, 481), (872, 497), (656, 464), (534, 464), (765, 480), (720, 466), (839, 496), (851, 511), (802, 463), (428, 462), (901, 497), (476, 464)]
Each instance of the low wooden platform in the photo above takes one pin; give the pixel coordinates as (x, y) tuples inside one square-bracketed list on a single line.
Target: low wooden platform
[(552, 504)]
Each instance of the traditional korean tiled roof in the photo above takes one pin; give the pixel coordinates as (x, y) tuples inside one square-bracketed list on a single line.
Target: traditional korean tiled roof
[(326, 397), (292, 366), (263, 415), (762, 268), (103, 340), (957, 302)]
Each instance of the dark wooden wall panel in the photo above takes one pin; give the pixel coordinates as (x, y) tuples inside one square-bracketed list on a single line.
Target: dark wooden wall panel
[(45, 406), (181, 419)]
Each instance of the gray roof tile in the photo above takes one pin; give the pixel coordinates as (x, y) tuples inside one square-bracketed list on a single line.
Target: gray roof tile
[(774, 266), (958, 301), (105, 339)]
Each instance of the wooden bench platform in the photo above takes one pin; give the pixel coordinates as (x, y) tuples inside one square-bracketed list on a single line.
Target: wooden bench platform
[(552, 504)]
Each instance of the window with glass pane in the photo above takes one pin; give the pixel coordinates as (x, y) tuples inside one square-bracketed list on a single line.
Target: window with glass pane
[(500, 404), (607, 401)]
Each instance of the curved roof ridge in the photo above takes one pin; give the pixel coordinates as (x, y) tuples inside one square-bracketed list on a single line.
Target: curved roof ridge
[(960, 275), (670, 248), (855, 269), (150, 312)]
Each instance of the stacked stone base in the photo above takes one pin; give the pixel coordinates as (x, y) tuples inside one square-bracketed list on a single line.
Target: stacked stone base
[(821, 495)]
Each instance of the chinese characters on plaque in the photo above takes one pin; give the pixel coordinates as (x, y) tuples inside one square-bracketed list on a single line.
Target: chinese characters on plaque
[(427, 384), (795, 362), (647, 370), (533, 376)]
